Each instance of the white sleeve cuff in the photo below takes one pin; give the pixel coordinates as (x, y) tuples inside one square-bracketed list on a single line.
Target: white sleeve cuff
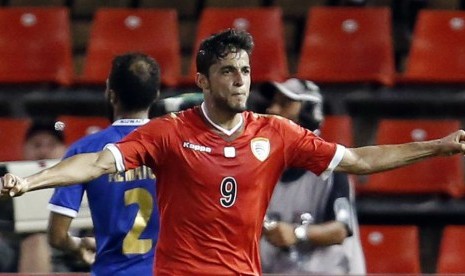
[(118, 157), (338, 155), (62, 210)]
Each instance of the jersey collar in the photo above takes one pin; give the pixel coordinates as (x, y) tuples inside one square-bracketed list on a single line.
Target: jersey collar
[(130, 122), (218, 127)]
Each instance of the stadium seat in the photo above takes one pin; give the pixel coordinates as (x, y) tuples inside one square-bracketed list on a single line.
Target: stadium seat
[(338, 128), (440, 175), (269, 60), (348, 45), (12, 134), (391, 249), (436, 51), (115, 31), (35, 46), (76, 127), (452, 250)]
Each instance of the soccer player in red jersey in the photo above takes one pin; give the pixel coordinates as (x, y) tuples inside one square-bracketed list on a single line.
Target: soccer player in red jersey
[(217, 164)]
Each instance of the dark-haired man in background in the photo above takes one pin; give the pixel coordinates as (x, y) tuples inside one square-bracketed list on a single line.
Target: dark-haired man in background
[(123, 209)]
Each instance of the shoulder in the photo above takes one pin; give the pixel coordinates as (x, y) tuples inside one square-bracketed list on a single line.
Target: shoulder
[(92, 142), (253, 117), (273, 122), (170, 121)]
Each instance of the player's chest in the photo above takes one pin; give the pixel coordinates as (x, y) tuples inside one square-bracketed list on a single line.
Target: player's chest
[(244, 153)]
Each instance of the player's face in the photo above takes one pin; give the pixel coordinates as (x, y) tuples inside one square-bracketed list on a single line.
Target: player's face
[(283, 106), (229, 82)]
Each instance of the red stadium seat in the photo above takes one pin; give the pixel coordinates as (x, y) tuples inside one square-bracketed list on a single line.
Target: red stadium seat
[(269, 60), (12, 136), (436, 51), (443, 175), (391, 249), (77, 127), (115, 31), (35, 46), (452, 250), (348, 45), (338, 128)]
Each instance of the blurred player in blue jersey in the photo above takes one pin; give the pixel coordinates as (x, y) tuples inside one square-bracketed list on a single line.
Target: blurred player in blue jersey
[(124, 213)]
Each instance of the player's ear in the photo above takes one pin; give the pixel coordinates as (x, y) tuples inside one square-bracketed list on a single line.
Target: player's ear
[(202, 81), (112, 97)]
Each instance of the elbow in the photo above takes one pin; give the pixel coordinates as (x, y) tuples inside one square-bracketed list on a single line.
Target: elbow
[(340, 236), (341, 233), (56, 240)]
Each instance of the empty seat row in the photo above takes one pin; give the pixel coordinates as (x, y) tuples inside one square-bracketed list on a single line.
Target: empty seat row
[(441, 175), (395, 249), (340, 45)]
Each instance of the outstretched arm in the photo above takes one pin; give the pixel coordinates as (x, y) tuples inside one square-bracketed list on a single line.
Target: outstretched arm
[(77, 169), (372, 159)]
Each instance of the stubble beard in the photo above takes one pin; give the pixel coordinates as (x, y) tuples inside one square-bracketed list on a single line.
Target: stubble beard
[(232, 108)]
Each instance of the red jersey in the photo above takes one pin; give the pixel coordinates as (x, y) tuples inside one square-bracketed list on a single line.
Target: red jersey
[(213, 194)]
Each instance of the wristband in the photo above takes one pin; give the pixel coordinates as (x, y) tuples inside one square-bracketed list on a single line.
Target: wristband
[(300, 233)]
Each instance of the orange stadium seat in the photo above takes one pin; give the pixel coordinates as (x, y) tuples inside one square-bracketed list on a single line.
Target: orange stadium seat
[(443, 175), (35, 45), (436, 52), (348, 45), (269, 60), (114, 31), (338, 128), (391, 249), (452, 250), (77, 127), (12, 134)]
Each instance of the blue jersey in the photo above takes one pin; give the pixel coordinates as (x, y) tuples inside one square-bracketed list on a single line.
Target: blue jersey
[(122, 205)]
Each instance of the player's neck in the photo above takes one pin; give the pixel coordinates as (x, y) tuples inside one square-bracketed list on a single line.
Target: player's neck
[(222, 121)]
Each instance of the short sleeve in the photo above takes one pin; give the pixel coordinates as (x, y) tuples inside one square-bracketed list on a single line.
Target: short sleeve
[(144, 146), (304, 149), (67, 200)]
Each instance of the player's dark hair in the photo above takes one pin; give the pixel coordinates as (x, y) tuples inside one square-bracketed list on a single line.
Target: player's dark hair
[(135, 78), (221, 44)]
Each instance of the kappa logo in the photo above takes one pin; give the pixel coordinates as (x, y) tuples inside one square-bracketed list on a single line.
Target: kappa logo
[(260, 148), (200, 148)]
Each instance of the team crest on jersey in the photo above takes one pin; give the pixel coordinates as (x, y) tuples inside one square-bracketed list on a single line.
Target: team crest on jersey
[(260, 148)]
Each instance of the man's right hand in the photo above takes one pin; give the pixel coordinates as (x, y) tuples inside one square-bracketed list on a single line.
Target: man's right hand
[(282, 235), (13, 185), (87, 249)]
